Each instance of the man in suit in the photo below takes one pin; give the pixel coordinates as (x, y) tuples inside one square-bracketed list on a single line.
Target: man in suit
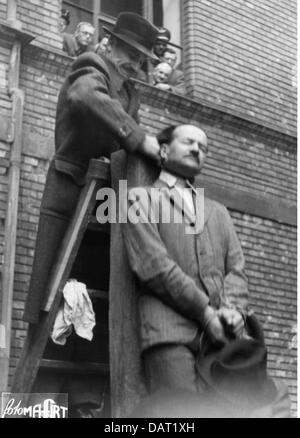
[(176, 79), (81, 41), (97, 114), (191, 272)]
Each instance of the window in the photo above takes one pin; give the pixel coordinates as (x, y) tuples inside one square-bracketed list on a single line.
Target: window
[(114, 7), (167, 13), (80, 10), (164, 13)]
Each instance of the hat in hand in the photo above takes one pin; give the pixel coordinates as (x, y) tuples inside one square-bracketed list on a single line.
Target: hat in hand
[(237, 373)]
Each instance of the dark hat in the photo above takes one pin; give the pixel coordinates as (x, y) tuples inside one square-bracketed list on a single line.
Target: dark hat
[(136, 31), (238, 372), (163, 35)]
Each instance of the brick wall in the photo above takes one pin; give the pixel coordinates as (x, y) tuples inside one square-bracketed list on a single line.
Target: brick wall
[(238, 157), (41, 18), (3, 8), (270, 252), (241, 54)]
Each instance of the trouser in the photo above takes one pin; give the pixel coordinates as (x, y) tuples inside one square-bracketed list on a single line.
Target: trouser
[(174, 388), (171, 366), (59, 202)]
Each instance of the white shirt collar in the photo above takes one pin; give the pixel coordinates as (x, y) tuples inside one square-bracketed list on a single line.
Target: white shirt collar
[(171, 180)]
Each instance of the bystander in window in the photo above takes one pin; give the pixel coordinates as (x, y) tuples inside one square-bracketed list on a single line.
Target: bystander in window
[(161, 75), (64, 20), (81, 41), (103, 45), (176, 79)]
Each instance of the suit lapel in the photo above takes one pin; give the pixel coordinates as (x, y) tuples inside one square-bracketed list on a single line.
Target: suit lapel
[(203, 206), (175, 201)]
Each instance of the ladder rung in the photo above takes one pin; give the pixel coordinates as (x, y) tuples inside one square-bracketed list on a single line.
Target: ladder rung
[(95, 226), (74, 367), (100, 294)]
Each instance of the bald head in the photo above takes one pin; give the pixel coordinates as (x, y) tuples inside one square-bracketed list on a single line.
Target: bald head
[(162, 73)]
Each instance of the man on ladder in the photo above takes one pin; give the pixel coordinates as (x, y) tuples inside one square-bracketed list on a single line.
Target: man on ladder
[(97, 114)]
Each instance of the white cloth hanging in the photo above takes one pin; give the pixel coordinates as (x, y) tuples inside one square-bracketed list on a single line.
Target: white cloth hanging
[(77, 310)]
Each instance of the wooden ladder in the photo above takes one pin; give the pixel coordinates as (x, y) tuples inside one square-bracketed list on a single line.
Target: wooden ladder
[(31, 359)]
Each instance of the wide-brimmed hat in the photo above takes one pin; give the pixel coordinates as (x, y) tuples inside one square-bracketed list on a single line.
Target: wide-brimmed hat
[(135, 31), (238, 372)]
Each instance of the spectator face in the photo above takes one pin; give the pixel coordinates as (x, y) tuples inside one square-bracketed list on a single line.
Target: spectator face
[(84, 35), (187, 151), (170, 58), (62, 25), (103, 44), (159, 48), (162, 73)]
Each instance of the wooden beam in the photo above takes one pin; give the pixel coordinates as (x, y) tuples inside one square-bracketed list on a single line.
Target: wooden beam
[(148, 10), (11, 14), (12, 212), (75, 367), (96, 13)]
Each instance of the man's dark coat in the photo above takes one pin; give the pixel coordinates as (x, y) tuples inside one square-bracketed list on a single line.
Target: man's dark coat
[(97, 114)]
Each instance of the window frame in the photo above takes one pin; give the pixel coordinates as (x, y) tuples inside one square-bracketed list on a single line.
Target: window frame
[(98, 16)]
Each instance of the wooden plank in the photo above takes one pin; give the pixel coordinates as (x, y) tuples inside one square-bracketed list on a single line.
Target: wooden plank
[(95, 226), (71, 244), (98, 294), (126, 380), (96, 12), (8, 270), (75, 367)]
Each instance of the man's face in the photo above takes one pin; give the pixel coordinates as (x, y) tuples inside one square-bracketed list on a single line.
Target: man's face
[(187, 151), (128, 59), (159, 48), (170, 58), (84, 35), (103, 44), (162, 73), (62, 25)]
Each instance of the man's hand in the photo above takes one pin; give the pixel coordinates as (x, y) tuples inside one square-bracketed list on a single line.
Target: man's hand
[(213, 326), (232, 321), (151, 148), (162, 86)]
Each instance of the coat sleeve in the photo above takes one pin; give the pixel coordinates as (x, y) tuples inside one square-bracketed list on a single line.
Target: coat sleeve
[(235, 282), (89, 97), (177, 83), (150, 261)]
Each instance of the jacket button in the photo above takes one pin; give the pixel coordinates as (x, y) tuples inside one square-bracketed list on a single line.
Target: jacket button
[(123, 131)]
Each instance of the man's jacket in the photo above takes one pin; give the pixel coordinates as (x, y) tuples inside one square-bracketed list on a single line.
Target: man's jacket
[(97, 114), (181, 273)]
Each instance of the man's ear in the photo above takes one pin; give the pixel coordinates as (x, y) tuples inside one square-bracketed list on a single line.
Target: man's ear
[(164, 149), (109, 45)]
